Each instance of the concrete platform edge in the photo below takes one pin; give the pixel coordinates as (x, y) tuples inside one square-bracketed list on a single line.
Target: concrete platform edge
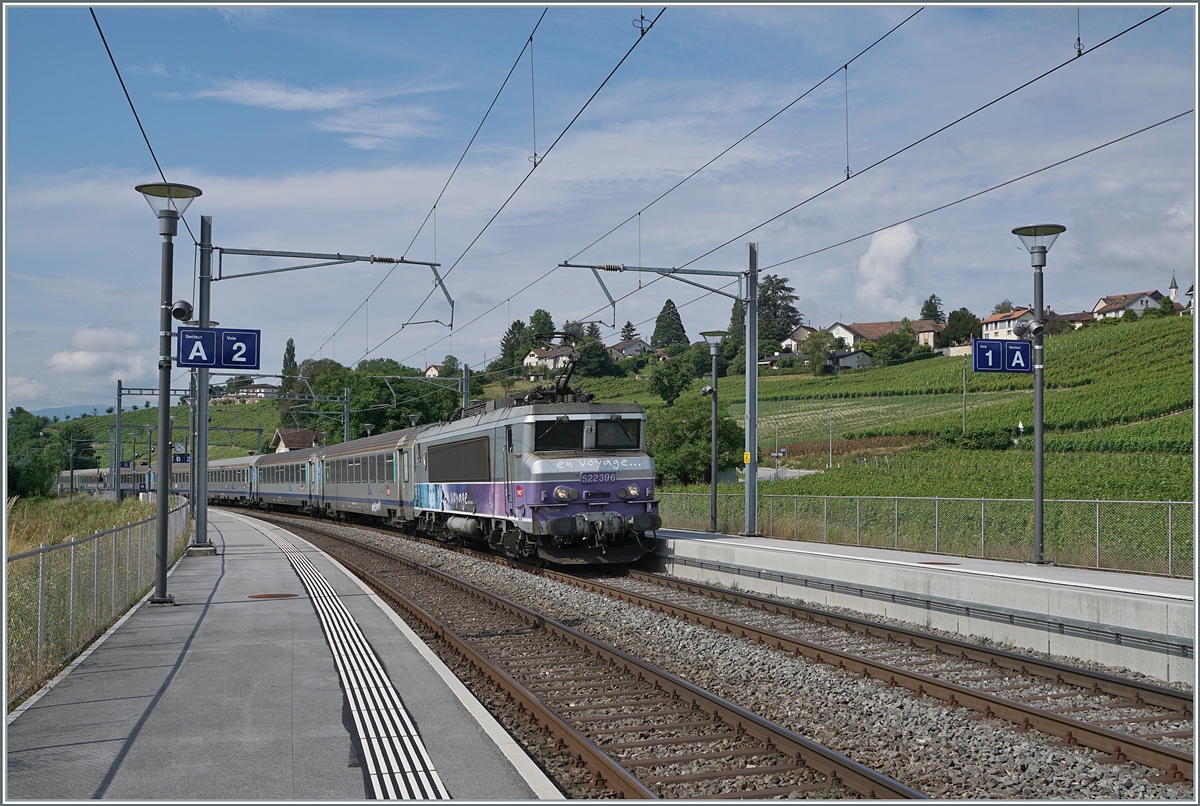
[(537, 780)]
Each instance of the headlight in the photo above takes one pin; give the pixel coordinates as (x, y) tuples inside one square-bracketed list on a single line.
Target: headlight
[(565, 493), (632, 490), (622, 493)]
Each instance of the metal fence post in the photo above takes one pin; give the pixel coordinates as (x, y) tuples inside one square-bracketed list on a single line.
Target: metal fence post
[(795, 517), (857, 521), (826, 518), (41, 603), (71, 608), (95, 586), (770, 515), (114, 572), (896, 535), (982, 552), (1097, 533), (1170, 541), (687, 508), (935, 524)]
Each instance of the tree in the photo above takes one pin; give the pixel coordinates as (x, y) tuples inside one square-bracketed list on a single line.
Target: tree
[(1003, 307), (1129, 315), (573, 332), (777, 316), (668, 327), (669, 379), (932, 310), (450, 368), (289, 369), (678, 439), (540, 322), (515, 343), (892, 347), (961, 327), (817, 349), (594, 360), (629, 332), (109, 410), (592, 332)]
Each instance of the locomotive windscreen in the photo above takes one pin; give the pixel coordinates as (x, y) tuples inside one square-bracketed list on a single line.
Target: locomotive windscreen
[(617, 434), (558, 435), (459, 461)]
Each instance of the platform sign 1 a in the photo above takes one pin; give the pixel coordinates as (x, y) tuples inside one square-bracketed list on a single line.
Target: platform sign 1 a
[(218, 348), (1001, 355)]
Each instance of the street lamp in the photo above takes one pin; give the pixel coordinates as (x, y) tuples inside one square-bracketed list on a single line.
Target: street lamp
[(168, 201), (1037, 239), (714, 339)]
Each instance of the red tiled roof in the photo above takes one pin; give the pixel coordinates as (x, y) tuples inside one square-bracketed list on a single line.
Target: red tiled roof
[(872, 331), (1118, 302), (1015, 313)]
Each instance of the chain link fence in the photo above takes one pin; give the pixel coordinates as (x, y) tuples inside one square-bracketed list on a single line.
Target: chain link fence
[(62, 597), (1146, 537)]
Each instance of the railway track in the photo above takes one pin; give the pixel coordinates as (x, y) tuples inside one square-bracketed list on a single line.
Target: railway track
[(638, 730), (1035, 695), (1079, 706)]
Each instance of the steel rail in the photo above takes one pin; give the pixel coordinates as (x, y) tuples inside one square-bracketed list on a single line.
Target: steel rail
[(1121, 746), (835, 766), (1061, 673)]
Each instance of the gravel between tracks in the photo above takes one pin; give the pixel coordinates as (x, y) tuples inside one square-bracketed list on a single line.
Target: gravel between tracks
[(944, 752)]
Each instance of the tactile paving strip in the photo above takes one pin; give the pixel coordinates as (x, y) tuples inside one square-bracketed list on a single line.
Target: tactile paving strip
[(397, 763)]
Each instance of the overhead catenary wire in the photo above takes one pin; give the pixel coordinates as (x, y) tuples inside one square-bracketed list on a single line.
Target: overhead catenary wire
[(837, 184), (915, 143), (433, 209), (521, 184)]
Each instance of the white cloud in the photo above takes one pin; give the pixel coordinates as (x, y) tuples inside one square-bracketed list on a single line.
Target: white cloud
[(277, 95), (884, 277), (20, 391), (101, 352), (112, 337)]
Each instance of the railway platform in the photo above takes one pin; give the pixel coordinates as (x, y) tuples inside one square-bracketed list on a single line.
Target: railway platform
[(1142, 623), (275, 675)]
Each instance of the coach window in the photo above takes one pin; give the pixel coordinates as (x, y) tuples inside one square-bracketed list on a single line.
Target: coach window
[(389, 467), (371, 469)]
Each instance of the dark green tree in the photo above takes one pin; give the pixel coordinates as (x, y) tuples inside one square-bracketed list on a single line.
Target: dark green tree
[(289, 367), (777, 313), (573, 332), (668, 327), (515, 343), (1003, 307), (669, 379), (540, 322), (817, 349), (450, 368), (678, 439), (592, 331), (932, 310), (961, 327), (893, 347), (628, 332), (594, 360)]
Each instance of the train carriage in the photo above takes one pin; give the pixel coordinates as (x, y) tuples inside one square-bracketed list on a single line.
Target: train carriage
[(284, 479)]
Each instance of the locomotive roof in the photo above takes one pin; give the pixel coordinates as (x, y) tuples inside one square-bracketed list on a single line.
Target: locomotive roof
[(520, 413)]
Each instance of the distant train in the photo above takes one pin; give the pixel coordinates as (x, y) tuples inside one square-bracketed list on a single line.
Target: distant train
[(549, 475), (133, 480)]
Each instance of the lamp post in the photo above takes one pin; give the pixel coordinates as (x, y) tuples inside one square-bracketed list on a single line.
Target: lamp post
[(714, 339), (168, 201), (1037, 239)]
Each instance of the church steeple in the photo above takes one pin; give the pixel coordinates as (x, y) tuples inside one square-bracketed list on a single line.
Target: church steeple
[(1174, 289)]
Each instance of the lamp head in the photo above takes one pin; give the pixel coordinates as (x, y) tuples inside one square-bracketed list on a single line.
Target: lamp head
[(182, 310), (706, 391), (168, 201), (714, 339), (1042, 235)]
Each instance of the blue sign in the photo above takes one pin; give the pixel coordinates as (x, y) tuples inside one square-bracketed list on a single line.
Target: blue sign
[(218, 348), (1001, 355), (197, 347), (126, 464), (181, 458)]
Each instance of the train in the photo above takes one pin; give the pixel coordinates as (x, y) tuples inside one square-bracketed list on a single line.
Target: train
[(549, 476)]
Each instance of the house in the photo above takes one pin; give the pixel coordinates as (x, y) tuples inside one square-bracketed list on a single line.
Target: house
[(1076, 320), (257, 391), (1116, 305), (849, 359), (626, 349), (294, 439), (551, 358), (925, 330), (792, 343), (660, 354), (433, 371), (1000, 325)]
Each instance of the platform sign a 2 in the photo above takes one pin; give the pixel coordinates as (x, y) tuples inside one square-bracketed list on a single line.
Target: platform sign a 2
[(218, 348), (1001, 355)]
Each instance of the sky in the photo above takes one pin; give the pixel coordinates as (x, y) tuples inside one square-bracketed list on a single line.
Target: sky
[(335, 130)]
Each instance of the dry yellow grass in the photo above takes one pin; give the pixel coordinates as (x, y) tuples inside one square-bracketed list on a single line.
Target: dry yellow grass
[(55, 520)]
